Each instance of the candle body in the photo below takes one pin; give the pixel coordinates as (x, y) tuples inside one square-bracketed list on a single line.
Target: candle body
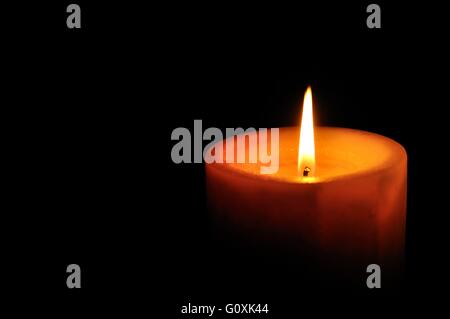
[(352, 214)]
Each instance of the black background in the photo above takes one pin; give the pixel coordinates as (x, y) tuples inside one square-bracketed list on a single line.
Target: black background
[(87, 121)]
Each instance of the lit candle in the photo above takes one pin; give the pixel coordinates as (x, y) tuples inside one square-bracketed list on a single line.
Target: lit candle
[(339, 194)]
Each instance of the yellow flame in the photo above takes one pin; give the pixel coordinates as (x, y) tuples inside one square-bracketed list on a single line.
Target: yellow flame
[(306, 164)]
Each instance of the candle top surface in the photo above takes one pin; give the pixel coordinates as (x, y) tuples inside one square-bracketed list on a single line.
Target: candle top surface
[(340, 153)]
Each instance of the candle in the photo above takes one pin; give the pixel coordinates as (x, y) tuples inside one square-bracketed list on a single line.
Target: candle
[(339, 195)]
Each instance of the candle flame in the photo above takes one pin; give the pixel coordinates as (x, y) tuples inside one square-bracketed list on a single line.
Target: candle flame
[(306, 165)]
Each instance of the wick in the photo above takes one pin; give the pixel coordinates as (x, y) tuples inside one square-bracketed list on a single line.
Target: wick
[(306, 171)]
